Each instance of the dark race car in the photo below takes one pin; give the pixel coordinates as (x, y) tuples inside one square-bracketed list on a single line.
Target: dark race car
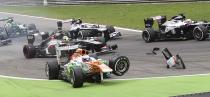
[(178, 27), (14, 29), (81, 30), (46, 47)]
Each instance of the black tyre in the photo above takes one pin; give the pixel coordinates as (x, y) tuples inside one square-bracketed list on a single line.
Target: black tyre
[(110, 29), (200, 33), (97, 78), (149, 35), (167, 66), (32, 27), (29, 51), (166, 53), (180, 62), (83, 34), (119, 65), (52, 70), (76, 78)]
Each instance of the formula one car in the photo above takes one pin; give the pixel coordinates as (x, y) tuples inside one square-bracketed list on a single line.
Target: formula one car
[(178, 27), (15, 29), (83, 30), (173, 61), (47, 46), (80, 67), (4, 40)]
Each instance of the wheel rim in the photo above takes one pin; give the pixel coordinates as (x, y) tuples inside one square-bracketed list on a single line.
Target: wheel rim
[(146, 36), (121, 66), (198, 33)]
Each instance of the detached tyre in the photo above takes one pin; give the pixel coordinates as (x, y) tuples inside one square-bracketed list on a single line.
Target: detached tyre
[(119, 65), (180, 62), (149, 35), (200, 33), (76, 78), (29, 51), (52, 70)]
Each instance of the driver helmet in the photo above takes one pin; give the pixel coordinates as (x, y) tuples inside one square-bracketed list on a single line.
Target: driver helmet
[(10, 20), (79, 21), (188, 21), (66, 38)]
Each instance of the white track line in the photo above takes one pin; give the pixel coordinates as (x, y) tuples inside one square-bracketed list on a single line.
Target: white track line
[(109, 79), (146, 78), (120, 28)]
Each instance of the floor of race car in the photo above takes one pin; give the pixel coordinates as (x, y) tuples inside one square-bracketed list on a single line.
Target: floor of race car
[(194, 53)]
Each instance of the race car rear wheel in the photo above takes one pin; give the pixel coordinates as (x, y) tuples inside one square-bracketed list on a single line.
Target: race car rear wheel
[(52, 70), (110, 29), (83, 34), (76, 77), (119, 65), (200, 33), (32, 27), (149, 35), (29, 51)]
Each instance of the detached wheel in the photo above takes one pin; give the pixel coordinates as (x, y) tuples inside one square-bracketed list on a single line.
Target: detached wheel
[(76, 78), (119, 65), (29, 51), (52, 70), (180, 62), (149, 35), (200, 33)]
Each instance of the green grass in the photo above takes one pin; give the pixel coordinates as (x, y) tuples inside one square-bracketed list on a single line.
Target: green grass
[(133, 88), (123, 15)]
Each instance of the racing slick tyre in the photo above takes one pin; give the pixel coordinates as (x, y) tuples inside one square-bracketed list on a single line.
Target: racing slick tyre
[(29, 51), (149, 35), (52, 70), (200, 33), (180, 62), (110, 29), (119, 65), (83, 34), (166, 53), (31, 27), (76, 78)]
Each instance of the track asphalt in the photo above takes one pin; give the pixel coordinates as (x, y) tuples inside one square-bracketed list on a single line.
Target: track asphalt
[(194, 53)]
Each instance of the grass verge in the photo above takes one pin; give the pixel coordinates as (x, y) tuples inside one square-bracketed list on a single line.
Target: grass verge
[(158, 87), (123, 15)]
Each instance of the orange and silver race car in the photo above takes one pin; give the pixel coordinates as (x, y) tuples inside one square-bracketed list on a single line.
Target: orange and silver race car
[(82, 67)]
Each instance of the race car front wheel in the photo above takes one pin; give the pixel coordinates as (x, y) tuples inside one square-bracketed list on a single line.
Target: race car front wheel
[(29, 51), (149, 35), (76, 77), (119, 65), (200, 33), (52, 70)]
